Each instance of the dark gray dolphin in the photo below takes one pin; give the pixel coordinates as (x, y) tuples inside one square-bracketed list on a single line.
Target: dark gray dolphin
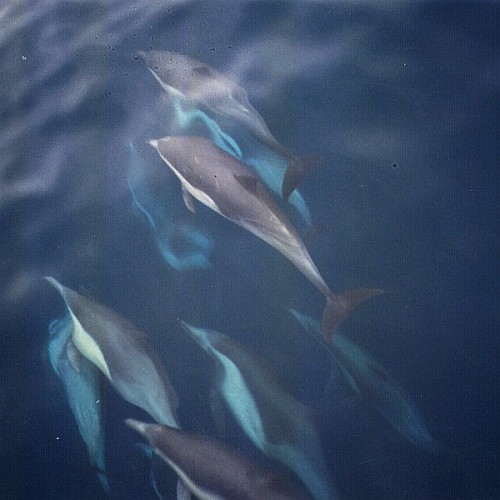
[(211, 470), (368, 378), (227, 186), (198, 83), (277, 424), (122, 353)]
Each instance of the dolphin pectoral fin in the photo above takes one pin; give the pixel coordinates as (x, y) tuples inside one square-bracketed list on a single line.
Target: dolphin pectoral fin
[(73, 355), (188, 200), (297, 169), (339, 306)]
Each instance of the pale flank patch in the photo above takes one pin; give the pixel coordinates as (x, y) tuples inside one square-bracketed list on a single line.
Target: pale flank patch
[(241, 401), (88, 346), (167, 88)]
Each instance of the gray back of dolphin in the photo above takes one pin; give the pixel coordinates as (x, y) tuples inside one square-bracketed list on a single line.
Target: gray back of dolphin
[(212, 470), (123, 354), (227, 186), (201, 84)]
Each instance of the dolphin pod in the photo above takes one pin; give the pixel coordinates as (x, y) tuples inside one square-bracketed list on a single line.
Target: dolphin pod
[(199, 84), (273, 419), (368, 378), (217, 171), (122, 353), (211, 470), (227, 186), (269, 164), (83, 392)]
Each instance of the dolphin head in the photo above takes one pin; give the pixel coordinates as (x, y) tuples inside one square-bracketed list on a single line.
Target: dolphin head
[(210, 341), (180, 72), (179, 152), (200, 335), (173, 151)]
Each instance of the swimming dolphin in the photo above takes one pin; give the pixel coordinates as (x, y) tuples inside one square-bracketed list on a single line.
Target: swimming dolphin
[(83, 391), (198, 83), (368, 378), (277, 424), (227, 186), (211, 470), (122, 353)]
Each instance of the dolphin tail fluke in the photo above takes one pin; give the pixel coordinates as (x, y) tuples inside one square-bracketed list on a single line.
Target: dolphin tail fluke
[(297, 169), (339, 306)]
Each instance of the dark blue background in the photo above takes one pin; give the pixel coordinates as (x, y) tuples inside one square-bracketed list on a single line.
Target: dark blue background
[(402, 102)]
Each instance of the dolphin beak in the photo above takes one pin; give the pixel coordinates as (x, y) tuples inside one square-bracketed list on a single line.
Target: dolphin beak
[(199, 335), (188, 328), (55, 284), (136, 425)]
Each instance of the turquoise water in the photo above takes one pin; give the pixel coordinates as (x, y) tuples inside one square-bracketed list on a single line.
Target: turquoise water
[(399, 100)]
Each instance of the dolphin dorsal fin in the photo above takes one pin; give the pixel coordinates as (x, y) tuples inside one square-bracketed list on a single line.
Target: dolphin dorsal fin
[(250, 183), (188, 200)]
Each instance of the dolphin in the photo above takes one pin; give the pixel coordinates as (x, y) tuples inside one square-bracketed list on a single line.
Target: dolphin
[(227, 186), (83, 391), (212, 470), (122, 353), (199, 83), (368, 378), (277, 424)]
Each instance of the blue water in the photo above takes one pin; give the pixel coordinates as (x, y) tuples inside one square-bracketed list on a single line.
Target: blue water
[(401, 102)]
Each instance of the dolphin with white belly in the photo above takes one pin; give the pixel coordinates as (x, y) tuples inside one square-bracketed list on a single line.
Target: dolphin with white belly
[(122, 353), (210, 469), (200, 84), (227, 186), (276, 423)]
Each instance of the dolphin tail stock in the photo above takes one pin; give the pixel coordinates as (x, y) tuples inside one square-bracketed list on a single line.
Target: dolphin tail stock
[(297, 169), (338, 307)]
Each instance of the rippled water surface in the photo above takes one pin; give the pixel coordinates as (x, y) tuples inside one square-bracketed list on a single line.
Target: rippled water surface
[(399, 100)]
